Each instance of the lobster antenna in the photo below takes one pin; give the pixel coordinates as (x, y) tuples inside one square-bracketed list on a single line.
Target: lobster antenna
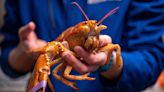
[(108, 14), (81, 10)]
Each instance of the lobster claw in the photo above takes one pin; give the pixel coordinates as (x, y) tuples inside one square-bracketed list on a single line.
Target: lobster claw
[(91, 43), (39, 78), (39, 86)]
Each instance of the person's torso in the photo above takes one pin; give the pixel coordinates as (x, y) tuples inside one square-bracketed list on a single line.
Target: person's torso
[(52, 17)]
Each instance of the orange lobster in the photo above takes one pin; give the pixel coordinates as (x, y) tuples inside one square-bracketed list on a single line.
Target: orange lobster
[(85, 34)]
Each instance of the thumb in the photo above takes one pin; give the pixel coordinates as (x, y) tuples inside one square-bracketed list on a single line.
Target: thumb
[(104, 40), (65, 44), (27, 32)]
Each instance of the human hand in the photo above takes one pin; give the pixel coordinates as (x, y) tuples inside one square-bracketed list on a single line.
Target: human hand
[(28, 38), (21, 58), (89, 62)]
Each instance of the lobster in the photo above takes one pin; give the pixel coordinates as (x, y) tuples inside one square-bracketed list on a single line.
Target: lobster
[(85, 34)]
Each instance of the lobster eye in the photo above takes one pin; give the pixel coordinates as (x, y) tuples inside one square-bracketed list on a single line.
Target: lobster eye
[(85, 27), (85, 23)]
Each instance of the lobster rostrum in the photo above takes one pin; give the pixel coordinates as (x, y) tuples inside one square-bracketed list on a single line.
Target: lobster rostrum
[(85, 34)]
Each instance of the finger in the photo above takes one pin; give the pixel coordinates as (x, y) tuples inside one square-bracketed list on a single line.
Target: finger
[(90, 58), (41, 43), (33, 48), (104, 40), (75, 63), (27, 31), (92, 68), (65, 44)]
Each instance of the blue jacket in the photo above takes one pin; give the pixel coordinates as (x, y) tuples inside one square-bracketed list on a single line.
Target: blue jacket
[(138, 27)]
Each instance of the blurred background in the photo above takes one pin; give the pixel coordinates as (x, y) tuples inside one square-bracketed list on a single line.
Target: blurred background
[(18, 85), (7, 84)]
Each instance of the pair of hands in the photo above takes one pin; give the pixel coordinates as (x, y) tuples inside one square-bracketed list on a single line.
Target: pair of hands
[(29, 40)]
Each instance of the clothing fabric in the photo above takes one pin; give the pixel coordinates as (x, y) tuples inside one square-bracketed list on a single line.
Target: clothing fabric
[(137, 26)]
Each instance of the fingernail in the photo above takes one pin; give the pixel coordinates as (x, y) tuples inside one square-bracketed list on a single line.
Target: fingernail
[(65, 44), (77, 49), (65, 54), (30, 23)]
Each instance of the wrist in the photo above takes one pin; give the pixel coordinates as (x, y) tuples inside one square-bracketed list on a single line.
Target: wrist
[(106, 67), (114, 71), (20, 60)]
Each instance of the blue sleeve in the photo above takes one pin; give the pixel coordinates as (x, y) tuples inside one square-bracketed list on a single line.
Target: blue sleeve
[(143, 47), (10, 32)]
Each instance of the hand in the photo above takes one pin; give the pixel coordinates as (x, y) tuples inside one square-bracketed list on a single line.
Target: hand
[(89, 62), (20, 59), (28, 38)]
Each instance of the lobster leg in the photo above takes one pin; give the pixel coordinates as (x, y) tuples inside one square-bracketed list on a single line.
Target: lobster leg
[(63, 80), (110, 48), (56, 61), (50, 85), (74, 77), (39, 76)]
